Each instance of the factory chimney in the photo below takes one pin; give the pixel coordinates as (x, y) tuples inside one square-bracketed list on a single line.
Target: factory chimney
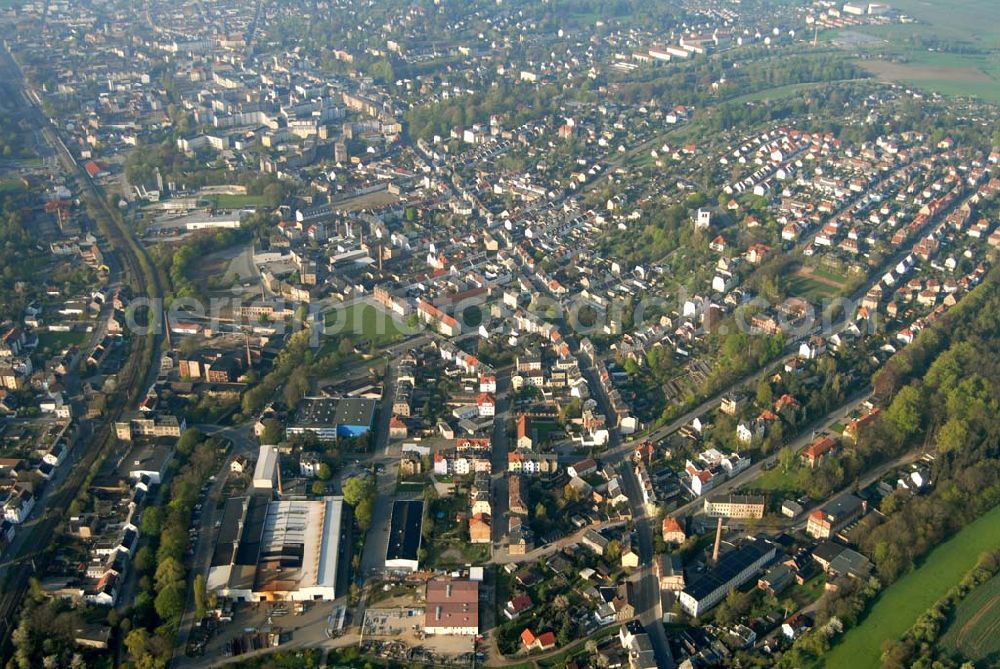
[(280, 492), (718, 541)]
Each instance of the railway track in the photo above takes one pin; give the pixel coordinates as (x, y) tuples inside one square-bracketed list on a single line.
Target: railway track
[(142, 276)]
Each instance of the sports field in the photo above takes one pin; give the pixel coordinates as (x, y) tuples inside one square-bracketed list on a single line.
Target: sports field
[(975, 630), (815, 284), (228, 201), (366, 321), (898, 607)]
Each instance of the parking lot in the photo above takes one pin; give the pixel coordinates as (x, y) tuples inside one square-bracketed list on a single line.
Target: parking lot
[(288, 624)]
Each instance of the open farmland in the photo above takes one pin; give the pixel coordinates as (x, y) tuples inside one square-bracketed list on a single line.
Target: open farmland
[(975, 630), (900, 605), (951, 48)]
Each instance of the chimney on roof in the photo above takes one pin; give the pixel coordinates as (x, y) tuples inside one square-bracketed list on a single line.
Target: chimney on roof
[(718, 541)]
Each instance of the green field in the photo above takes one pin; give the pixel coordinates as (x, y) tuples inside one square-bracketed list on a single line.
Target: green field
[(56, 341), (365, 321), (810, 289), (778, 481), (10, 187), (899, 606), (974, 21), (975, 629), (953, 48), (233, 201)]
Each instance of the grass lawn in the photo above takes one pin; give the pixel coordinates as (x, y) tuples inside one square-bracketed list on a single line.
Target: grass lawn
[(829, 275), (223, 201), (364, 321), (974, 630), (810, 289), (899, 605), (56, 341), (808, 592), (778, 481), (410, 486), (10, 187)]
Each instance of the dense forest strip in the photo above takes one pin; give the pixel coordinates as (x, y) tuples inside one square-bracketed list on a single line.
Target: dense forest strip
[(941, 390)]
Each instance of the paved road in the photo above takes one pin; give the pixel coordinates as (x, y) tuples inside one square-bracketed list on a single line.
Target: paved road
[(242, 444), (387, 454), (746, 477), (646, 587), (499, 463)]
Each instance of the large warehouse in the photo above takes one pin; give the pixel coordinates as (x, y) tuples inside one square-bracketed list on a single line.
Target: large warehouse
[(329, 419), (404, 535), (276, 551), (731, 571)]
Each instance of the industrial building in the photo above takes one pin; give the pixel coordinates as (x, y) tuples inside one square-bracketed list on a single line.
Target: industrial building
[(266, 472), (735, 506), (329, 419), (280, 550), (452, 607), (148, 458), (404, 535), (826, 521), (729, 572)]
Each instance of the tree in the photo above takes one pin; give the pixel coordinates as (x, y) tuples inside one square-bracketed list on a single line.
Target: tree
[(199, 597), (273, 432), (191, 438), (905, 411), (144, 558), (318, 488), (358, 488), (152, 521), (146, 651), (787, 457), (169, 603), (168, 572), (614, 550), (630, 367), (363, 513), (765, 394), (540, 511), (953, 435), (323, 472)]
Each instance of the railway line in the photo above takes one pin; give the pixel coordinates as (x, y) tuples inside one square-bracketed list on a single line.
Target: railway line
[(141, 275)]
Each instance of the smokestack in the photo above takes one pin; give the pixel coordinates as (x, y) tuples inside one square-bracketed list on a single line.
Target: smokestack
[(278, 467), (718, 541)]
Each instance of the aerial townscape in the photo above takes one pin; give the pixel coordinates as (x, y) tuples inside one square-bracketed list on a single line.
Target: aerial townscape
[(542, 334)]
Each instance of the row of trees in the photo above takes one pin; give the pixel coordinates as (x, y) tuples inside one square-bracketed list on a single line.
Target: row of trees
[(181, 262), (947, 376), (919, 648), (163, 588)]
